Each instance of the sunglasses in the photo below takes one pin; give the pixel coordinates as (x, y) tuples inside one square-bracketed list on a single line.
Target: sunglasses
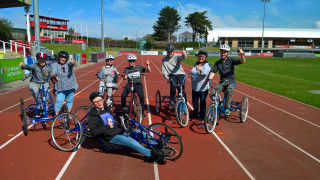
[(132, 61)]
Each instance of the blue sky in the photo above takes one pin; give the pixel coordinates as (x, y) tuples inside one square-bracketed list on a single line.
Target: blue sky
[(126, 17)]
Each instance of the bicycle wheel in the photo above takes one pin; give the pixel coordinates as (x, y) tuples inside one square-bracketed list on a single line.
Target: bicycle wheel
[(211, 117), (158, 101), (66, 132), (138, 112), (125, 121), (244, 107), (182, 113), (82, 113), (167, 138), (24, 117)]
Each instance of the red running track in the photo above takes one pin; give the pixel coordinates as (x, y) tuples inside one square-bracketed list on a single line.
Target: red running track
[(279, 140)]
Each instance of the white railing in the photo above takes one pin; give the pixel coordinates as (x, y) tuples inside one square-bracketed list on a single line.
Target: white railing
[(16, 44)]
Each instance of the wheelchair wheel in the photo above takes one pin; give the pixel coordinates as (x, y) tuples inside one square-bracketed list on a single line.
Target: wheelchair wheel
[(158, 101), (182, 113), (24, 117), (167, 138), (138, 112), (125, 121), (66, 132), (244, 107), (211, 117), (81, 114)]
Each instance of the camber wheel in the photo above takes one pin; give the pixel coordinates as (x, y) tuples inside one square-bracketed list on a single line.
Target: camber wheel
[(182, 113), (66, 132), (158, 102), (82, 114), (167, 138), (244, 107), (211, 117), (24, 118)]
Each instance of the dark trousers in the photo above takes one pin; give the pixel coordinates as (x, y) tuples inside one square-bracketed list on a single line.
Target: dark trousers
[(138, 88), (175, 80), (202, 95)]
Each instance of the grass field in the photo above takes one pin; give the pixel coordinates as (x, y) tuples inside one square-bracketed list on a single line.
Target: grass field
[(293, 78)]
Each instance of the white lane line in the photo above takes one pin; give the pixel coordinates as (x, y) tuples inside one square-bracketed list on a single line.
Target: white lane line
[(233, 156), (19, 134), (14, 105), (66, 165), (287, 141), (281, 110)]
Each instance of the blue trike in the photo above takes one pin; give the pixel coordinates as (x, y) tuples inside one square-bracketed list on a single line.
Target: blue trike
[(217, 108)]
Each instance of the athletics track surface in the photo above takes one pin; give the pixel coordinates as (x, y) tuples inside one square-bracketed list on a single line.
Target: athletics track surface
[(279, 140)]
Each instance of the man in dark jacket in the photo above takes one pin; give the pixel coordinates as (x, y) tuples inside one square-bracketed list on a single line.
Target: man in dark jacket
[(102, 124)]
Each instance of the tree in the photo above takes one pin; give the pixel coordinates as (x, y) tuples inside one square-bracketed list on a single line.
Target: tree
[(148, 37), (71, 31), (6, 28), (199, 23), (167, 24), (185, 36)]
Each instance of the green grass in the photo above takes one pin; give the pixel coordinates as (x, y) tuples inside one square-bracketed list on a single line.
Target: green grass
[(293, 78)]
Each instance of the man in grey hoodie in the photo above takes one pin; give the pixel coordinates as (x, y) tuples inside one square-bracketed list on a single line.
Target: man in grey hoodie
[(173, 72)]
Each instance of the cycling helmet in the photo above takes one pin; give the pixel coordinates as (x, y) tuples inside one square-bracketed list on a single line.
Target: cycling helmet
[(42, 55), (63, 54), (109, 57), (203, 52), (170, 47), (225, 47), (94, 95), (131, 57)]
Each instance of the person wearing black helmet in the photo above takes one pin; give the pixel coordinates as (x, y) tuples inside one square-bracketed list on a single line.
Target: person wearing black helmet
[(225, 66), (40, 72), (66, 84), (200, 71), (102, 124), (173, 71)]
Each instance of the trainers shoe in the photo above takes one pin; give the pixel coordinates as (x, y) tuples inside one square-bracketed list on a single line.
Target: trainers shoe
[(227, 112), (171, 106)]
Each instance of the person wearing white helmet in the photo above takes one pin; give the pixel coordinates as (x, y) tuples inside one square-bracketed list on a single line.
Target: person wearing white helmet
[(134, 72), (173, 71), (225, 66), (108, 76)]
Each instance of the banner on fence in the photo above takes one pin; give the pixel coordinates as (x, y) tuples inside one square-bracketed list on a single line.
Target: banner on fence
[(84, 58), (149, 52), (10, 69), (128, 52), (267, 54)]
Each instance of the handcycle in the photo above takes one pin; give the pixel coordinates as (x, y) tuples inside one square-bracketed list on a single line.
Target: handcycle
[(40, 115), (68, 136), (181, 107), (217, 107)]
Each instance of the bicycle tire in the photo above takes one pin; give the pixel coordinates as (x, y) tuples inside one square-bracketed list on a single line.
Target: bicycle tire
[(166, 138), (244, 107), (66, 132), (158, 102), (138, 112), (182, 113), (125, 122), (211, 117), (81, 112), (24, 118)]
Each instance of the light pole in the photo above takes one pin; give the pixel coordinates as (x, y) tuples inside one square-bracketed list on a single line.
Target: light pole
[(102, 34), (264, 15), (50, 25), (137, 40)]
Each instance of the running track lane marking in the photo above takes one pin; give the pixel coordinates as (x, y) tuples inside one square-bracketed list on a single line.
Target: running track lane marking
[(234, 157), (281, 110), (287, 141), (155, 165)]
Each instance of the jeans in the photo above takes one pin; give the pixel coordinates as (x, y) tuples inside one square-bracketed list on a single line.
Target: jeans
[(64, 95), (202, 95), (125, 140)]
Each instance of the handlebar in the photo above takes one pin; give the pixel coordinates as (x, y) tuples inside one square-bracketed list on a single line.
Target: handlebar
[(182, 80), (224, 82)]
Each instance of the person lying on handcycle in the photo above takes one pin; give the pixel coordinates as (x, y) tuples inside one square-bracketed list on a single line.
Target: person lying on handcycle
[(134, 72), (40, 72), (102, 123)]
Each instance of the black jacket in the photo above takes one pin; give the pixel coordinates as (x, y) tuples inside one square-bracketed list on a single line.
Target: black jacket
[(97, 127)]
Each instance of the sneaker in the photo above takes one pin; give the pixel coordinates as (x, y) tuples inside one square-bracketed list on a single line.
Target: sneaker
[(227, 112), (171, 106)]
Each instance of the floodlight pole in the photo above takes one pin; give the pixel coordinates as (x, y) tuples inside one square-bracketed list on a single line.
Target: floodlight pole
[(264, 15), (102, 34), (50, 25)]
